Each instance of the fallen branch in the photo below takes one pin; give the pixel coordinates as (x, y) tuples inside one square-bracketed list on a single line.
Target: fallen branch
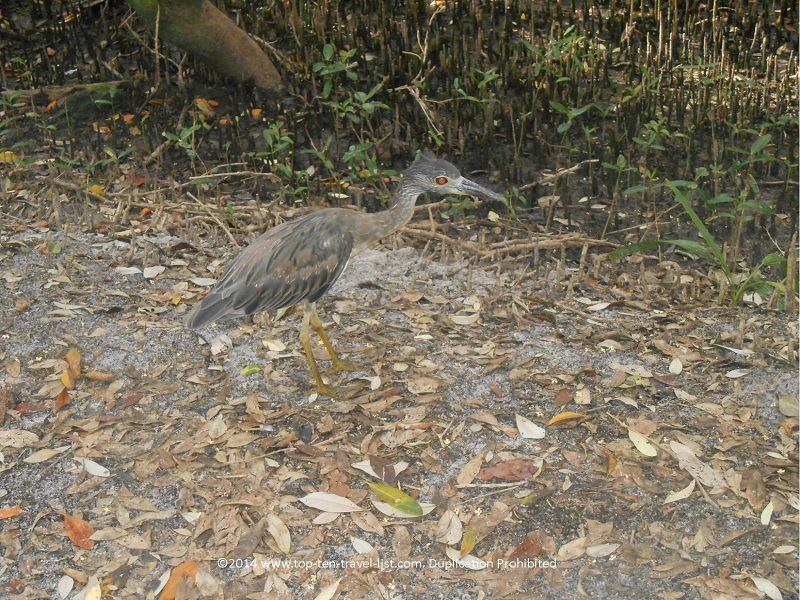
[(516, 246)]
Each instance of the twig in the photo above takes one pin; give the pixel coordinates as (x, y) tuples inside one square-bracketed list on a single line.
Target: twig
[(216, 220), (557, 175)]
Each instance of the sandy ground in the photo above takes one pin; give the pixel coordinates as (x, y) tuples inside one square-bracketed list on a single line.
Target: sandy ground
[(174, 455)]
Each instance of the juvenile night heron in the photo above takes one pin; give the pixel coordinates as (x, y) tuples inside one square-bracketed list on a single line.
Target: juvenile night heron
[(298, 261)]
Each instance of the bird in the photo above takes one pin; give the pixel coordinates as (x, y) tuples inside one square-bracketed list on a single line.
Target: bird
[(299, 260)]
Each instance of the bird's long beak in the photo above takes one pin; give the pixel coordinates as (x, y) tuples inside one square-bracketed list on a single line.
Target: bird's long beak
[(470, 188)]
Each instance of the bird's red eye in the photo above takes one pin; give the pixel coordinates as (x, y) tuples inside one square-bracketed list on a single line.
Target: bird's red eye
[(441, 180)]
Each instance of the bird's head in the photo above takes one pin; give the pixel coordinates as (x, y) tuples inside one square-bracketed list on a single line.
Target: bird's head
[(440, 177)]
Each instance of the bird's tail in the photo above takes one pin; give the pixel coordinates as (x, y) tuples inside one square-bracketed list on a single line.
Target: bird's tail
[(208, 310)]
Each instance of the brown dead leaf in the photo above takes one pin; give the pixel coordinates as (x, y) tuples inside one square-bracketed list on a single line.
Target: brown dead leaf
[(617, 379), (423, 385), (99, 376), (485, 417), (63, 399), (182, 574), (10, 512), (573, 549), (754, 487), (609, 461), (21, 304), (401, 542), (78, 531), (79, 576), (517, 469), (468, 541), (530, 548), (470, 470), (13, 367), (68, 379), (250, 541), (73, 359), (563, 397), (26, 409), (5, 404), (567, 420)]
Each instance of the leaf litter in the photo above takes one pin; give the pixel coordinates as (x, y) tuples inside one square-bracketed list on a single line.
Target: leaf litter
[(499, 438)]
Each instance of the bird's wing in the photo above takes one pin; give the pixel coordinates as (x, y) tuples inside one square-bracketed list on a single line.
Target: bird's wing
[(295, 261)]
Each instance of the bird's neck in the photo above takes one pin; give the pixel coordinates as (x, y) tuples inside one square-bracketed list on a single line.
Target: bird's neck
[(390, 220)]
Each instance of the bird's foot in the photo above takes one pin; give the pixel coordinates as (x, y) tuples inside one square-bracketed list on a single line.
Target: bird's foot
[(335, 392), (345, 365)]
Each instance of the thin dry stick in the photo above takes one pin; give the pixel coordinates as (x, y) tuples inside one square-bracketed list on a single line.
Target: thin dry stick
[(550, 178), (791, 276), (216, 220)]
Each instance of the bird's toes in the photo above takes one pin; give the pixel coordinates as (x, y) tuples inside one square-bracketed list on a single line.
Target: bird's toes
[(336, 392), (346, 365)]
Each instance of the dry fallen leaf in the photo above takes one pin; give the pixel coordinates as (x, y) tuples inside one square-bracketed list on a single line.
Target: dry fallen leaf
[(680, 494), (185, 572), (642, 444), (516, 469), (329, 502), (68, 379), (530, 548), (572, 549), (280, 533), (470, 470), (766, 586), (473, 563), (44, 454), (63, 399), (600, 550), (609, 461), (465, 319), (154, 271), (93, 589), (78, 531), (449, 529), (766, 514), (74, 359), (528, 429), (361, 546), (17, 438), (95, 469), (704, 473), (567, 419), (328, 591), (468, 541), (10, 512)]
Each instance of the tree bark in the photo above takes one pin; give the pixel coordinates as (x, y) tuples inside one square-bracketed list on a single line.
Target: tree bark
[(200, 28)]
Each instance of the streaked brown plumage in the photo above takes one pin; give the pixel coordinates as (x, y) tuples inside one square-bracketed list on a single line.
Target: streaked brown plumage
[(298, 261)]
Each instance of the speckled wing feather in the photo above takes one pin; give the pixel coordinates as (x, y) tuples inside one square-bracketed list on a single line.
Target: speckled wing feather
[(288, 264)]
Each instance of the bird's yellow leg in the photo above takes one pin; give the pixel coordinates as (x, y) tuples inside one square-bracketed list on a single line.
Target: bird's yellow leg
[(309, 315), (338, 363)]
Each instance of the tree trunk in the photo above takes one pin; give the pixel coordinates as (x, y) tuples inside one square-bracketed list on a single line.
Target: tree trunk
[(200, 28)]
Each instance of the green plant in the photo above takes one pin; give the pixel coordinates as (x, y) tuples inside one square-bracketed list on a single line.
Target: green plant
[(341, 96), (231, 215), (279, 148), (737, 284), (331, 65), (512, 200), (570, 113), (321, 154), (112, 158), (186, 137), (356, 107), (621, 167), (362, 164)]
